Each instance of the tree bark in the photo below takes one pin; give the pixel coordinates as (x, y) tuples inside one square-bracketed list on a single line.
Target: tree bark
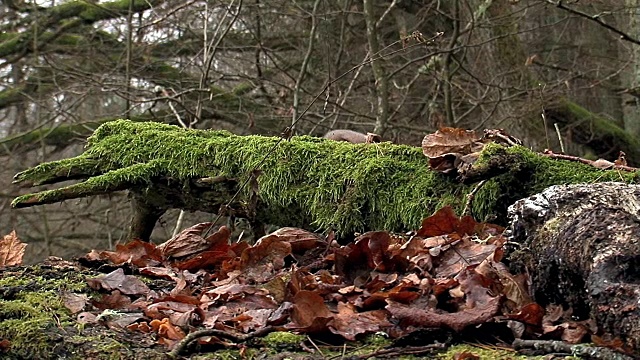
[(580, 245)]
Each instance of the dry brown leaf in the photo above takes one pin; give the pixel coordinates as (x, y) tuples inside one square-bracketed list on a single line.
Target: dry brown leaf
[(446, 164), (117, 280), (86, 318), (190, 241), (142, 326), (165, 329), (603, 164), (310, 314), (301, 240), (261, 261), (530, 314), (446, 222), (11, 250), (479, 307), (451, 140), (622, 159), (465, 355), (349, 323), (137, 252), (74, 302), (464, 253)]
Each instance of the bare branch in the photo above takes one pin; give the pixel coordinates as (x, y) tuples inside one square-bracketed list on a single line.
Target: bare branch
[(595, 18)]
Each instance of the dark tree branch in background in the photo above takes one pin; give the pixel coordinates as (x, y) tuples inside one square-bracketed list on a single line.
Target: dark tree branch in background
[(448, 66), (380, 76), (595, 18), (305, 63)]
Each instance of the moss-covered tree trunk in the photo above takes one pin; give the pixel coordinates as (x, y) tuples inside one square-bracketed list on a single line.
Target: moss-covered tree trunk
[(307, 182)]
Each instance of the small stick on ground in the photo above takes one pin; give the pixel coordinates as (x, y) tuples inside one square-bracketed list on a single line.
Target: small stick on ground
[(470, 196)]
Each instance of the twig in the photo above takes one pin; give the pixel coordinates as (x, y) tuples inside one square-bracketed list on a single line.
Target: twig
[(595, 18), (555, 125), (586, 161), (471, 196), (305, 63), (315, 346), (184, 343)]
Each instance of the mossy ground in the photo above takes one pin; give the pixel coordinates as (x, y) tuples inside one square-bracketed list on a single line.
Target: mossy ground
[(38, 326)]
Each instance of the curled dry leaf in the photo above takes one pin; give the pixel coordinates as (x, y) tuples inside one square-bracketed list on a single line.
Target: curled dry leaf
[(349, 323), (190, 241), (142, 326), (5, 345), (263, 260), (478, 308), (446, 164), (136, 252), (450, 148), (451, 140), (252, 320), (462, 254), (300, 240), (11, 250), (165, 329), (310, 314), (446, 222), (530, 314), (115, 300), (117, 280), (621, 160), (465, 355), (603, 164)]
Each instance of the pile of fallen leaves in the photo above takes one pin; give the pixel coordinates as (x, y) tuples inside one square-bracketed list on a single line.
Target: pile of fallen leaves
[(448, 276)]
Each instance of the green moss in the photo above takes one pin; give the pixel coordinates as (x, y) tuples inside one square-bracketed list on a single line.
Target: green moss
[(597, 133), (32, 318), (38, 325), (378, 339), (283, 341), (530, 173), (485, 353), (335, 185), (283, 338), (598, 124), (346, 187), (229, 354), (45, 280), (107, 348)]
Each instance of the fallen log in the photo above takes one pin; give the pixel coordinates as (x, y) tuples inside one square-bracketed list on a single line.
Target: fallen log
[(304, 182), (580, 245)]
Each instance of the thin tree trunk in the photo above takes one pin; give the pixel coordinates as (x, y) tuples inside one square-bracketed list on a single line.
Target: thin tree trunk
[(382, 106)]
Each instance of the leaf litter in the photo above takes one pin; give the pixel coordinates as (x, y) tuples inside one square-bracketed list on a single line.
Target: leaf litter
[(446, 276)]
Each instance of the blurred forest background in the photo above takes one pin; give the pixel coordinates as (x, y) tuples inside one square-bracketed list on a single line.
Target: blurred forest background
[(543, 70)]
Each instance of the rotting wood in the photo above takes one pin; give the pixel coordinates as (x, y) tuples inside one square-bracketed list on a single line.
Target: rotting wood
[(580, 245)]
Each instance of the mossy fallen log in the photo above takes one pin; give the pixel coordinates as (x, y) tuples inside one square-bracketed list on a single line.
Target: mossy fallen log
[(600, 135), (308, 182)]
